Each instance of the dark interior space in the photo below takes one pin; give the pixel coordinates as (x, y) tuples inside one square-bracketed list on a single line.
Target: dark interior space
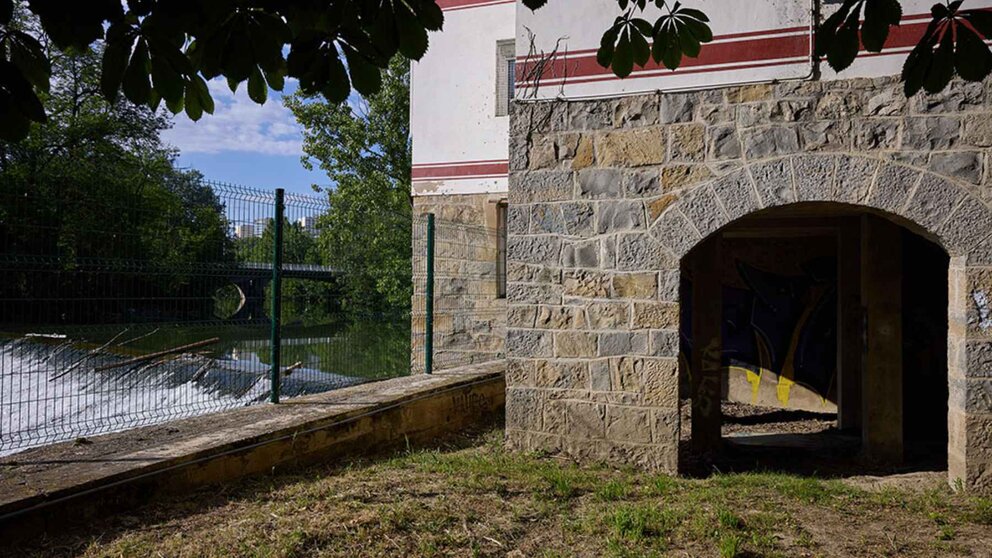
[(806, 376)]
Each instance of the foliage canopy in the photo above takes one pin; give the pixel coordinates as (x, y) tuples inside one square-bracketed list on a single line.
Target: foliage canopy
[(165, 50)]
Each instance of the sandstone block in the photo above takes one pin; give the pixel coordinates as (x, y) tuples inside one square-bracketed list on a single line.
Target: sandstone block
[(933, 201), (599, 183), (575, 344), (632, 148), (688, 142), (546, 219), (737, 194), (528, 343), (656, 315), (723, 143), (618, 216), (586, 284), (677, 107), (814, 176), (704, 211), (635, 285), (928, 133), (534, 249), (965, 165), (589, 115), (639, 251), (628, 424), (581, 254), (677, 177), (608, 315), (578, 218), (630, 112), (540, 186), (622, 343), (771, 141), (660, 381), (523, 409), (586, 421)]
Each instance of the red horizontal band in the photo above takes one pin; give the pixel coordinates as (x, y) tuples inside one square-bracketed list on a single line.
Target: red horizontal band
[(756, 49), (449, 5), (461, 170)]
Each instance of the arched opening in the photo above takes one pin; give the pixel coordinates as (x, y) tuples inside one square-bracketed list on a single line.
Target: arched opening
[(814, 338)]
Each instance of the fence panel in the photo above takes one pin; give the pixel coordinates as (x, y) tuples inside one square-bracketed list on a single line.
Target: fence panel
[(134, 311)]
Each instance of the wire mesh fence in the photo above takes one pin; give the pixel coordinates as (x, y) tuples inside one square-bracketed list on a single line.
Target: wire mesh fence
[(156, 306)]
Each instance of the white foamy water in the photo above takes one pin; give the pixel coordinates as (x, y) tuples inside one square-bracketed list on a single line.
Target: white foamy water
[(51, 393)]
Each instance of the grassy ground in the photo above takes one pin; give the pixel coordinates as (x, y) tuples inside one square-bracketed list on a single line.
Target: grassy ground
[(475, 499)]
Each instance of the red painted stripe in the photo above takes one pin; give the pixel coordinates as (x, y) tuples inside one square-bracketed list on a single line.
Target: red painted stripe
[(755, 51), (450, 5), (751, 50), (461, 170)]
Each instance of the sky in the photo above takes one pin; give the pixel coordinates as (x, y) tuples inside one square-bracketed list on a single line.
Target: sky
[(245, 143)]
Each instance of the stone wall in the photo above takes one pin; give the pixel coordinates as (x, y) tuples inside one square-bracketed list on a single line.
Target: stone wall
[(469, 318), (607, 196)]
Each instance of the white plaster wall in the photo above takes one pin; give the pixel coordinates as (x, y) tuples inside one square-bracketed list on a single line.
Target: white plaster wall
[(453, 102), (579, 24)]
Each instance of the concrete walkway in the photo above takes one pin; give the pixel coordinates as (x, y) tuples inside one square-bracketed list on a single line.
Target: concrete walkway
[(44, 488)]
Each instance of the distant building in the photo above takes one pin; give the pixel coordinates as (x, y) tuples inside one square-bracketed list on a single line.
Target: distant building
[(244, 231), (308, 224)]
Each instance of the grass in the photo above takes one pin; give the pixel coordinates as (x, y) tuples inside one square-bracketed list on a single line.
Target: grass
[(476, 499)]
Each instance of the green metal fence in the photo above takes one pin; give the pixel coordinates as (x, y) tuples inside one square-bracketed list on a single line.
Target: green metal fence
[(128, 312)]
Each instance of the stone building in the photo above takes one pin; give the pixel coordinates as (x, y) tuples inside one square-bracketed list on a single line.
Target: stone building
[(750, 226)]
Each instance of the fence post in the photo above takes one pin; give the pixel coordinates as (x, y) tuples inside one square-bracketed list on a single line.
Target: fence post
[(277, 293), (429, 303)]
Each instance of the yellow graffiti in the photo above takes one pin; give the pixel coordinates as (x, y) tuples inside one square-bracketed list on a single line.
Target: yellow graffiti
[(787, 378)]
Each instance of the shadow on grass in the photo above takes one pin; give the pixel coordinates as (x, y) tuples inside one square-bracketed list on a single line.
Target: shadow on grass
[(144, 510)]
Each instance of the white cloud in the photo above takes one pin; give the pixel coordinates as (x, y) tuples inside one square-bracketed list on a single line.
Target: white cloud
[(238, 124)]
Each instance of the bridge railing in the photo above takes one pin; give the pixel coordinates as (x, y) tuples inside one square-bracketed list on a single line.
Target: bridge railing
[(155, 305)]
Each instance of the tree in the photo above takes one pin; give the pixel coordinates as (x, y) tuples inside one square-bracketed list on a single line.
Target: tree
[(164, 50), (364, 147), (94, 184)]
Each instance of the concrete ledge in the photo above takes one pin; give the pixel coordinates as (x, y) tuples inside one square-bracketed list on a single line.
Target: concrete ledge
[(45, 488)]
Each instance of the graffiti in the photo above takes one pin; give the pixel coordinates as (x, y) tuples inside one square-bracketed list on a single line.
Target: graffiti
[(780, 324), (984, 309)]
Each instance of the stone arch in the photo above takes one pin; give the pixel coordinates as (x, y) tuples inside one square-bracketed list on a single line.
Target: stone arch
[(935, 207)]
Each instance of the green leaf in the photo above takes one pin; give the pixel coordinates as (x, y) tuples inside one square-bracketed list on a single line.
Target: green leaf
[(942, 67), (607, 44), (175, 106), (166, 81), (337, 87), (972, 58), (115, 57), (846, 44), (365, 77), (197, 88), (412, 35), (640, 48), (535, 4), (194, 110), (258, 90), (137, 86), (29, 56), (276, 79), (623, 56), (238, 60)]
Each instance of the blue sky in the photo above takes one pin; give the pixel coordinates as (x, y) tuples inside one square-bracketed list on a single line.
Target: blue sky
[(244, 143)]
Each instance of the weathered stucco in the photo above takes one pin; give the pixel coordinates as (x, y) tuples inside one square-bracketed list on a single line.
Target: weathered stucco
[(607, 196)]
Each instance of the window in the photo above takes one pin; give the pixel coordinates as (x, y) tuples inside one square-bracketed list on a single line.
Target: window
[(506, 66), (501, 250)]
